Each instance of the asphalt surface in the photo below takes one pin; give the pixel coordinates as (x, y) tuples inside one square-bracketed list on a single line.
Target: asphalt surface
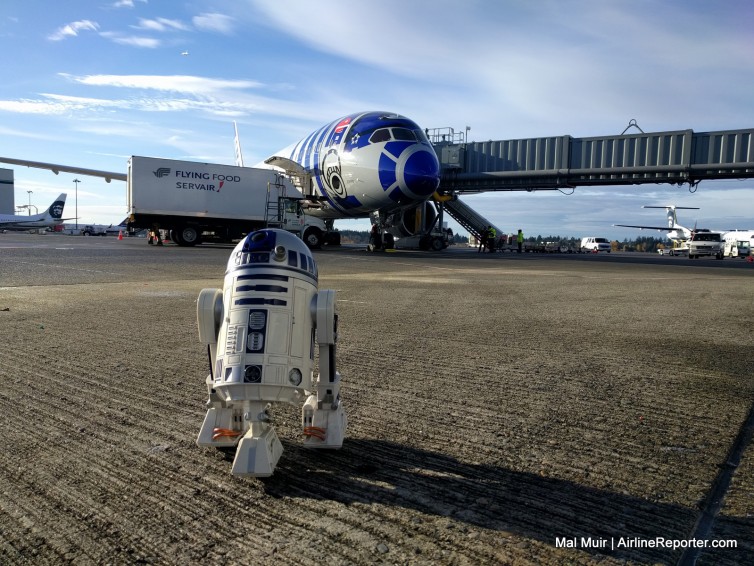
[(503, 409)]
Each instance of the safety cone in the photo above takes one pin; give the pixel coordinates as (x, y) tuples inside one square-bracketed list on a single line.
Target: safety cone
[(120, 234)]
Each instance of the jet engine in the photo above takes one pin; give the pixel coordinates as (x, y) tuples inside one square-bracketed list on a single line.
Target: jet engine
[(411, 221)]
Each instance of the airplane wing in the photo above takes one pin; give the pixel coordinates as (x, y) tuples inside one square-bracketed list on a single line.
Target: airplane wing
[(106, 175), (663, 228)]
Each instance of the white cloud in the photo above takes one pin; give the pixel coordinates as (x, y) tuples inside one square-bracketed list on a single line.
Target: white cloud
[(34, 107), (132, 40), (219, 23), (161, 25), (588, 63), (174, 83), (126, 3), (73, 29)]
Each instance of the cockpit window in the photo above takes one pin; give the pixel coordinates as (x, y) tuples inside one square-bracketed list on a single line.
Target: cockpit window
[(381, 135), (420, 136), (403, 134)]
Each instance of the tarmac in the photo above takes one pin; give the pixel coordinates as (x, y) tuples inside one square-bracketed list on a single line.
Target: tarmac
[(503, 409)]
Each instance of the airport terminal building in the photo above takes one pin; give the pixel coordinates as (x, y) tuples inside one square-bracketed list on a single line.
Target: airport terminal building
[(7, 200)]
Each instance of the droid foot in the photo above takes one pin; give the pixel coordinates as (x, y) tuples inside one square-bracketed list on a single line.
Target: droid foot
[(219, 429), (323, 427), (257, 456)]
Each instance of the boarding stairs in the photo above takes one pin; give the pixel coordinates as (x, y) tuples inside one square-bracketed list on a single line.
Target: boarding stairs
[(473, 222), (278, 207)]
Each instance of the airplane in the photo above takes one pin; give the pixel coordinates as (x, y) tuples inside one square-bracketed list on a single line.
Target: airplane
[(679, 235), (675, 230), (47, 219), (375, 164), (369, 163)]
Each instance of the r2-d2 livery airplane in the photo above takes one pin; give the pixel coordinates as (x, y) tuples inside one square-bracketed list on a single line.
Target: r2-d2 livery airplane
[(375, 163), (47, 219)]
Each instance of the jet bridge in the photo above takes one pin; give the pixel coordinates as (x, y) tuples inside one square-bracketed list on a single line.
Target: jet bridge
[(565, 162)]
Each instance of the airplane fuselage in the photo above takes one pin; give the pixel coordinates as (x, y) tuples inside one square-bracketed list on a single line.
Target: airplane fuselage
[(366, 162), (51, 217)]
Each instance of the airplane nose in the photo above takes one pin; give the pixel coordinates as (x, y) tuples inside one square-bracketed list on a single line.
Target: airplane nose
[(421, 173)]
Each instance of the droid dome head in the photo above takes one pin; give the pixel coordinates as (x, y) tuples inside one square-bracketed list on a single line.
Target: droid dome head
[(274, 249)]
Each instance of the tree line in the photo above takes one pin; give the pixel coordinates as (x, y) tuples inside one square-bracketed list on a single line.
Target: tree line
[(640, 244)]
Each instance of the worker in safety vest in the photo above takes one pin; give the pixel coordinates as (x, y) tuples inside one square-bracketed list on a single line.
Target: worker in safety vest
[(483, 235), (491, 235), (520, 240)]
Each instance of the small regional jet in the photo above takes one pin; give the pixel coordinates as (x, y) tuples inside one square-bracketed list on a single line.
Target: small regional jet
[(47, 219), (679, 235)]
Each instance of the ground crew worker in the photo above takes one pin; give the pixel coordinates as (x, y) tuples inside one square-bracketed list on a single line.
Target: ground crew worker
[(483, 239), (520, 240), (491, 235), (155, 238)]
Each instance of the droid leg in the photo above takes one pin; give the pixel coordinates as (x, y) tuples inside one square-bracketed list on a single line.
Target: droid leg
[(259, 450), (323, 416)]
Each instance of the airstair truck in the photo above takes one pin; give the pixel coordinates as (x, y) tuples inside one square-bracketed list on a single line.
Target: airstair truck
[(202, 201)]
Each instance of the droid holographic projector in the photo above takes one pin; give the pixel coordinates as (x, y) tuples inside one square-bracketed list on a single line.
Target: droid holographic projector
[(260, 332)]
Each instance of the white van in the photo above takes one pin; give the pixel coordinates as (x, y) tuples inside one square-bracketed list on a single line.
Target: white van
[(707, 242), (592, 244)]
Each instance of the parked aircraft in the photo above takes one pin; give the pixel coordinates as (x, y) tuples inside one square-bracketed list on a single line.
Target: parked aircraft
[(47, 219), (368, 163), (679, 235)]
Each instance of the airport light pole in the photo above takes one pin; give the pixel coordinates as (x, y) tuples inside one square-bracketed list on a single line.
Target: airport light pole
[(29, 192), (77, 202)]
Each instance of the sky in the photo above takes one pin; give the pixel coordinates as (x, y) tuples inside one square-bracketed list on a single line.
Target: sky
[(90, 83)]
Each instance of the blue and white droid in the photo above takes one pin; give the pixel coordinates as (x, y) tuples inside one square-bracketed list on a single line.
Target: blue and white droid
[(260, 332)]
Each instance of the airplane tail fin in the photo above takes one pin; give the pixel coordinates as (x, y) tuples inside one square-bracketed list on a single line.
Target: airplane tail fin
[(672, 218), (55, 211), (237, 144)]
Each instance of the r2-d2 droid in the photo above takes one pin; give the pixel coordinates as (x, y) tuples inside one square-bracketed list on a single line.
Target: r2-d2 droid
[(260, 332)]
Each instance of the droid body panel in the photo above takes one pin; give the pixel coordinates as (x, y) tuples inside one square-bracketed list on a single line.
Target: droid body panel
[(260, 331)]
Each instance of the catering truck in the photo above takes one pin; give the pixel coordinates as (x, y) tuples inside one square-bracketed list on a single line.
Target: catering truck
[(197, 202)]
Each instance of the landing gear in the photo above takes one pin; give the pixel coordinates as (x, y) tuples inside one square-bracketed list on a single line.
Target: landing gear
[(379, 240)]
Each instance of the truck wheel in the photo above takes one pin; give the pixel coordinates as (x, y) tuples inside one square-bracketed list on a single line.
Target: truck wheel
[(389, 241), (437, 245), (187, 236), (313, 238)]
